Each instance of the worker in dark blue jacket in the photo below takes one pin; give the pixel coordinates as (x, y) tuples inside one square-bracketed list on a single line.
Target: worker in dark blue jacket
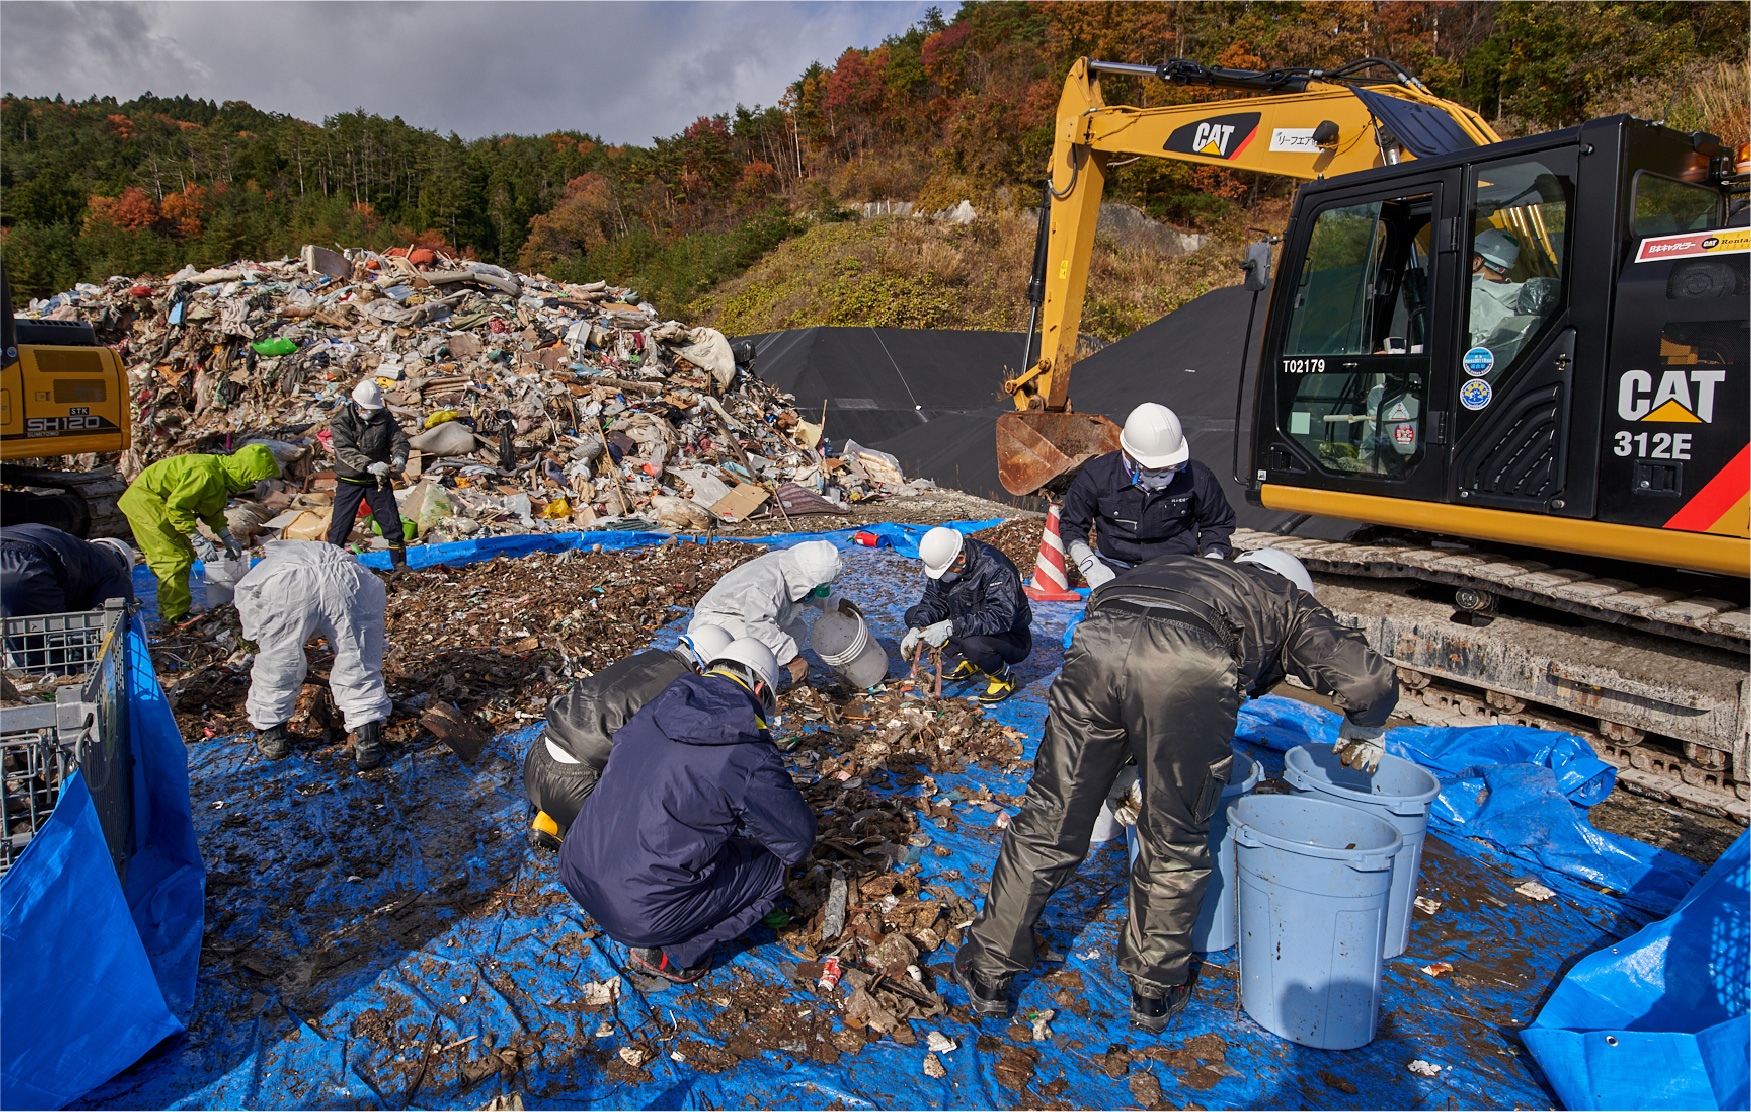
[(973, 609), (1148, 499), (688, 838), (44, 570)]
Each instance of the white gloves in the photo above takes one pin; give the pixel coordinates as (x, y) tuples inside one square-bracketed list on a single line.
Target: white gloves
[(1094, 571), (398, 464), (937, 634), (1125, 801), (1362, 746), (203, 547), (828, 604), (909, 643), (232, 548), (378, 469)]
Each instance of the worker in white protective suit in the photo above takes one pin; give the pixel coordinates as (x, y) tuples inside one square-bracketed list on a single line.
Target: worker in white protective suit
[(764, 599), (299, 590)]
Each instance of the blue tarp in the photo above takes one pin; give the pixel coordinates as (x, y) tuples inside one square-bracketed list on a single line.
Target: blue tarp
[(96, 975), (1659, 1020), (355, 921)]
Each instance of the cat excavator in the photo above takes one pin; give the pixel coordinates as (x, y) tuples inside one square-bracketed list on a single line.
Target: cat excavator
[(1521, 366)]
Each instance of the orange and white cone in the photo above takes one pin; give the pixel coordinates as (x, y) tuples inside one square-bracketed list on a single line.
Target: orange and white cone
[(1051, 582)]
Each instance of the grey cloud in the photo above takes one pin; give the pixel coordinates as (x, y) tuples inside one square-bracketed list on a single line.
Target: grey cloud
[(625, 71)]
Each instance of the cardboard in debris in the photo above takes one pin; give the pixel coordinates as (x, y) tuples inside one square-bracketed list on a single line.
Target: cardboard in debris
[(741, 503)]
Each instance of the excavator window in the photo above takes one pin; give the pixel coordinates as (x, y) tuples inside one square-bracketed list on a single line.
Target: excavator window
[(1518, 259), (1664, 207), (1355, 371)]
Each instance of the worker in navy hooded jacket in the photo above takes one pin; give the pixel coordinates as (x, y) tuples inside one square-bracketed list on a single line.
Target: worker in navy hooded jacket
[(972, 609), (688, 838)]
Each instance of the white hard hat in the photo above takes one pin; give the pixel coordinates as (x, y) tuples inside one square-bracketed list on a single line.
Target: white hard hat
[(121, 549), (938, 550), (1285, 565), (1153, 438), (755, 662), (368, 394), (818, 561), (1498, 249), (705, 642)]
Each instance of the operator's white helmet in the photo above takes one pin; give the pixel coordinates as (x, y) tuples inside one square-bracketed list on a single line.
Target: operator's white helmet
[(704, 643), (1285, 565), (1499, 250), (938, 550), (1153, 438)]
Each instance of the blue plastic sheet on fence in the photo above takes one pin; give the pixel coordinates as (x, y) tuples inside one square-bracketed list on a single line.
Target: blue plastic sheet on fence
[(357, 921), (1512, 785), (71, 923), (1659, 1020), (79, 1000)]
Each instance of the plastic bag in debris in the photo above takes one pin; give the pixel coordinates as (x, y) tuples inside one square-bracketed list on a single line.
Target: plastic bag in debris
[(879, 466), (449, 438)]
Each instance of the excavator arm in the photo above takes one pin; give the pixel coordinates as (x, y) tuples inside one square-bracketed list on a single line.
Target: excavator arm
[(1310, 124)]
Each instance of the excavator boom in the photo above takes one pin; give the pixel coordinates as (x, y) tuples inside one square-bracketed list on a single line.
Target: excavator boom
[(1312, 124)]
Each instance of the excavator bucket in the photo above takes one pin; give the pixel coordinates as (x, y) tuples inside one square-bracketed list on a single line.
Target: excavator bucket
[(1040, 452)]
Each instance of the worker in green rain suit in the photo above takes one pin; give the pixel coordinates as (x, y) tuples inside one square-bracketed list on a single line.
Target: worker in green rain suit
[(171, 496)]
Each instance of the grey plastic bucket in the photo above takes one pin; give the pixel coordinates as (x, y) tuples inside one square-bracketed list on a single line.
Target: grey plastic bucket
[(1214, 929), (841, 639), (1313, 880), (1399, 792)]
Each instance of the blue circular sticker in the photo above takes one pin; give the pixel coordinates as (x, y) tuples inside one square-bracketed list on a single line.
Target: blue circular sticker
[(1479, 361), (1475, 394)]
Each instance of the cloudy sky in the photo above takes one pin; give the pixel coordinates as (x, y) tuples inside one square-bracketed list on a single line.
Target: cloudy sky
[(624, 71)]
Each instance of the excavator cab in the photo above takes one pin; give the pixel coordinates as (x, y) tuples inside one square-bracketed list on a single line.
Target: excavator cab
[(1540, 342)]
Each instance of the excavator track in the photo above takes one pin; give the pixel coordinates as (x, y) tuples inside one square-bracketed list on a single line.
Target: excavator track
[(95, 512), (1653, 676)]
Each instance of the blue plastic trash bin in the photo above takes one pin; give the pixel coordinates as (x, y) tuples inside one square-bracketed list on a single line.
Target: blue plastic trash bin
[(1399, 792), (1214, 929), (1313, 883)]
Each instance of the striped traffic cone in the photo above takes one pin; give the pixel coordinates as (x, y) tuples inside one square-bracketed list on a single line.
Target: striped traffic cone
[(1051, 583)]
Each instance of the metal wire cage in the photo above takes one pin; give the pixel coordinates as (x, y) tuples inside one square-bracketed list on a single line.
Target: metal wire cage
[(85, 728)]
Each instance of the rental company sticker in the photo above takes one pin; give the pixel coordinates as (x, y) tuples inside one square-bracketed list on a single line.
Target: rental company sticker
[(1475, 394), (1404, 434), (1479, 361), (1727, 241)]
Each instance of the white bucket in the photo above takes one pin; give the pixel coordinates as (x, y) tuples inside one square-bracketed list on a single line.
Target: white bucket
[(841, 639), (220, 577)]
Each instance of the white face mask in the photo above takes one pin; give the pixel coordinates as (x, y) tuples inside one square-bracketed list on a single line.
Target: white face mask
[(1153, 481)]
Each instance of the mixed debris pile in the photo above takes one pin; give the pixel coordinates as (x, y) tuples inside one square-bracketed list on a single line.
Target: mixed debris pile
[(533, 405)]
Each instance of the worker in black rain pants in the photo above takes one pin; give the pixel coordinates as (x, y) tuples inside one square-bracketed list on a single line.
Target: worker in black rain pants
[(1148, 499), (688, 838), (564, 763), (1156, 674), (368, 445), (45, 570), (973, 609)]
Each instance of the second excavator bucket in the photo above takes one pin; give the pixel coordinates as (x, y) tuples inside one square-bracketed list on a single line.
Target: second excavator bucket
[(1040, 452)]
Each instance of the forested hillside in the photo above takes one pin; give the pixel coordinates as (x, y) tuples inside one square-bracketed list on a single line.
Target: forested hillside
[(951, 109)]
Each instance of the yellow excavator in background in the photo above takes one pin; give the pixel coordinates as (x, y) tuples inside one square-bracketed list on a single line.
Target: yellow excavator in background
[(62, 393), (1522, 367), (1312, 124)]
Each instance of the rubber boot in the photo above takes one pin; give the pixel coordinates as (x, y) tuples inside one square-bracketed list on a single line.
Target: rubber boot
[(397, 557), (368, 749), (274, 743)]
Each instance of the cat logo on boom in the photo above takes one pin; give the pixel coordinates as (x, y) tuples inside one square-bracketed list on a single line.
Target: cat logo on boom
[(1221, 137)]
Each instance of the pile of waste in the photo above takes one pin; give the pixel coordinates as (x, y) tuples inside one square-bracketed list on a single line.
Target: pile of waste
[(532, 405)]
